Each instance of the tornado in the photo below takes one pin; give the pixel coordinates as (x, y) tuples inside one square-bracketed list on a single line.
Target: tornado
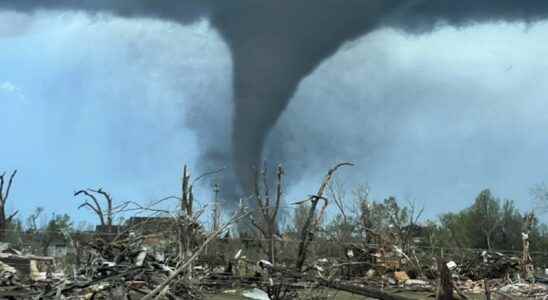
[(274, 46)]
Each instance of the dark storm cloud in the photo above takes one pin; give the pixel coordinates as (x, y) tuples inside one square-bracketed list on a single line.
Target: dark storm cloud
[(179, 11)]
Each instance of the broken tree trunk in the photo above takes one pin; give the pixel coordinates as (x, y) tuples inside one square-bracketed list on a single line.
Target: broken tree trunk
[(487, 289), (445, 285), (527, 267), (5, 220), (186, 224), (311, 224)]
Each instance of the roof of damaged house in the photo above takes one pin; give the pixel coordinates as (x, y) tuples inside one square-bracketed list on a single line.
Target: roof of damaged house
[(14, 261)]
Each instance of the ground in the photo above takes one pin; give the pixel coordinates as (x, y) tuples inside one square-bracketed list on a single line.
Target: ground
[(336, 295), (347, 296)]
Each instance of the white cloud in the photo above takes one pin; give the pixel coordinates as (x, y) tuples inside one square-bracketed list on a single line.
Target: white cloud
[(8, 87), (10, 91)]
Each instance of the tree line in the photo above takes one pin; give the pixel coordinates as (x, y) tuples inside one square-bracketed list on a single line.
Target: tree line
[(489, 223)]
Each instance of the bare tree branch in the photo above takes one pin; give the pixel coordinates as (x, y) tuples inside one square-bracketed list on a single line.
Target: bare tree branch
[(10, 218), (2, 188), (208, 174), (109, 212), (279, 192), (266, 192), (139, 207), (97, 208), (8, 189), (338, 198)]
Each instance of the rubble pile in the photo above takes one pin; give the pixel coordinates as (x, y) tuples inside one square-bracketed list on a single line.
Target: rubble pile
[(488, 265), (126, 268), (8, 275), (114, 270), (501, 274), (525, 290)]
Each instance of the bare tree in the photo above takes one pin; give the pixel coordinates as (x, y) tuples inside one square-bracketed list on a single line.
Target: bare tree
[(188, 225), (32, 219), (345, 225), (486, 209), (216, 213), (361, 209), (403, 221), (313, 219), (5, 189), (105, 216), (268, 210)]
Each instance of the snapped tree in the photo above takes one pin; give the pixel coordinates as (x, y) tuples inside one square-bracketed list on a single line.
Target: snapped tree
[(5, 188)]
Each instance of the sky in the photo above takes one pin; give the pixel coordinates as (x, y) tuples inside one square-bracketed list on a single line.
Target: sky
[(89, 102)]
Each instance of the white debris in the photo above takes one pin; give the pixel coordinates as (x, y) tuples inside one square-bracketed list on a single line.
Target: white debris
[(35, 274), (256, 294), (160, 257), (238, 254), (109, 264), (350, 253), (140, 260), (7, 268), (451, 265), (263, 263), (484, 255), (416, 282), (166, 268), (525, 289)]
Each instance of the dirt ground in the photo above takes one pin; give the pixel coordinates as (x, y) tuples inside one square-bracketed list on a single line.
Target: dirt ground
[(335, 295)]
